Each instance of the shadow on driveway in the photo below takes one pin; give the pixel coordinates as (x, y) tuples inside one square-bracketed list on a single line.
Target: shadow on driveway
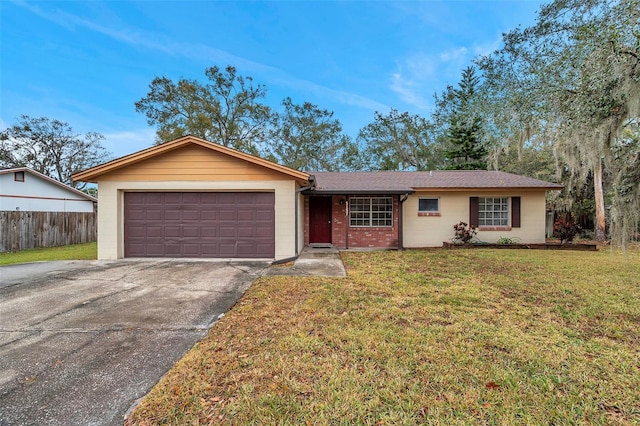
[(80, 342)]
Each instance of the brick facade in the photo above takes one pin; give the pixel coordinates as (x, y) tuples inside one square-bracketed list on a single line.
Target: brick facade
[(345, 236)]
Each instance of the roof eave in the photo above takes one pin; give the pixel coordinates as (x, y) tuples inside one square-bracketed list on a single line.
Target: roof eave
[(358, 192)]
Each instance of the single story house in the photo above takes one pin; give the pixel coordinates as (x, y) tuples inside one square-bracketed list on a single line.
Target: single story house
[(194, 198), (24, 189)]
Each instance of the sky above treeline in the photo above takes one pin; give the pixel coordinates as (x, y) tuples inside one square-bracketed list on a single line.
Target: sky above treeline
[(87, 62)]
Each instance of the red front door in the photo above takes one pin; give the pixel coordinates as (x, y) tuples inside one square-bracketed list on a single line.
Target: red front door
[(320, 220)]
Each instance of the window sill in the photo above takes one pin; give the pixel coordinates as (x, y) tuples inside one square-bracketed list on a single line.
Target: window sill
[(428, 213), (494, 228)]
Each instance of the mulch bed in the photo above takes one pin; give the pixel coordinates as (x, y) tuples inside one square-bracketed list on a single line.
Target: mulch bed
[(541, 246)]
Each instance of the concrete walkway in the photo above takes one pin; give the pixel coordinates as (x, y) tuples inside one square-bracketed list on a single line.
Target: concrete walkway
[(313, 262)]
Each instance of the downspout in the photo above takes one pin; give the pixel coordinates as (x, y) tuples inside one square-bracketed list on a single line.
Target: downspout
[(312, 185), (401, 200)]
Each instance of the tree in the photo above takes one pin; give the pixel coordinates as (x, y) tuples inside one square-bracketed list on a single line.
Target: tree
[(305, 137), (579, 63), (226, 110), (50, 147), (399, 141), (464, 134)]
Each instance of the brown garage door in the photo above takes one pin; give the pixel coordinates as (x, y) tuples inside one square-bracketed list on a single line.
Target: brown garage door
[(199, 224)]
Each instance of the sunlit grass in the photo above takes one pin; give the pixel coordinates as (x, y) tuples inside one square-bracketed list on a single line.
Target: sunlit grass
[(422, 337), (73, 252)]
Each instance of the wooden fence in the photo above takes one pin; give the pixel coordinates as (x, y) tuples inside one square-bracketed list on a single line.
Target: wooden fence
[(24, 230)]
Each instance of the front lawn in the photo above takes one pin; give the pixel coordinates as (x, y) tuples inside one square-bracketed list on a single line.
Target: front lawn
[(86, 251), (414, 337)]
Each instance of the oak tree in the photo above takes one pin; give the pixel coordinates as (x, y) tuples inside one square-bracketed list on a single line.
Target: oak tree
[(226, 110), (51, 147)]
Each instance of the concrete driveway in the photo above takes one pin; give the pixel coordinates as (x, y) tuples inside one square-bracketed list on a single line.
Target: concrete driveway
[(80, 342)]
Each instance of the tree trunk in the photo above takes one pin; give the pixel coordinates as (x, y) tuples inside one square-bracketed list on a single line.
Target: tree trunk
[(599, 198)]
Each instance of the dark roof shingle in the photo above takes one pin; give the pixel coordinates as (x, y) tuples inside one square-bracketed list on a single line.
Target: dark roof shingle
[(407, 182)]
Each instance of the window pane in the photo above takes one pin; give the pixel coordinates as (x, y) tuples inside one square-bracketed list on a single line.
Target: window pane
[(428, 205), (371, 211), (493, 211)]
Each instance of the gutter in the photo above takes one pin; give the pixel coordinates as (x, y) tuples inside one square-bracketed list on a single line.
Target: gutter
[(311, 186)]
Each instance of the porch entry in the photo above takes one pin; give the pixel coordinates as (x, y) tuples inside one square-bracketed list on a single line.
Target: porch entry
[(319, 220)]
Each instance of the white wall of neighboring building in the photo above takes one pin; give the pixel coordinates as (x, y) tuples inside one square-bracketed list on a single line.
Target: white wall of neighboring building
[(432, 231), (39, 195)]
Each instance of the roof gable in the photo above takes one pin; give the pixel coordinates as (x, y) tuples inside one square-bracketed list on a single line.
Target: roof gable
[(49, 180), (168, 149)]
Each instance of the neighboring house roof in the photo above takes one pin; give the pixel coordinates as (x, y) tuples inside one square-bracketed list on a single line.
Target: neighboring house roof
[(91, 175), (396, 182), (51, 180)]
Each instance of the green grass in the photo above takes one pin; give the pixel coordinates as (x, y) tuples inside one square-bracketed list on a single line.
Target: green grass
[(422, 337), (74, 252)]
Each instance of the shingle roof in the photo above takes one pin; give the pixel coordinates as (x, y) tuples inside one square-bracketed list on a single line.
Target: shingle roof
[(408, 182)]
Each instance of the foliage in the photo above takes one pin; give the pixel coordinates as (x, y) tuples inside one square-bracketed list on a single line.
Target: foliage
[(508, 240), (86, 251), (625, 209), (565, 230), (576, 75), (305, 137), (51, 147), (464, 232), (412, 337), (534, 161), (399, 141), (226, 110), (464, 133)]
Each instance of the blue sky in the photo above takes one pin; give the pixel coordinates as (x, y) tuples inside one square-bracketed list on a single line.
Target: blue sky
[(86, 63)]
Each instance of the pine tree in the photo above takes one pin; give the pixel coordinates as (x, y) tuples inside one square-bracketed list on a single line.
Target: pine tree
[(465, 128)]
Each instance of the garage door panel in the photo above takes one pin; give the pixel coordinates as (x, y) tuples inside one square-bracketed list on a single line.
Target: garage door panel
[(151, 197), (226, 215), (191, 231), (227, 250), (209, 215), (199, 225), (172, 232), (172, 249), (168, 197), (263, 249), (263, 233), (209, 231), (190, 215)]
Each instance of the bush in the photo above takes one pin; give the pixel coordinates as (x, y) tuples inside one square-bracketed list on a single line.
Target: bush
[(464, 232), (565, 230), (508, 240)]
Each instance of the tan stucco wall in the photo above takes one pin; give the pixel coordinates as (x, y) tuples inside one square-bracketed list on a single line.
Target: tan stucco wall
[(432, 231), (111, 209)]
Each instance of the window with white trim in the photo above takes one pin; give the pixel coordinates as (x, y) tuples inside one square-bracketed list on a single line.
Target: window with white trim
[(493, 211), (429, 205), (371, 211)]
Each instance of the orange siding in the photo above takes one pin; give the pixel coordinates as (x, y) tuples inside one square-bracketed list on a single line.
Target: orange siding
[(193, 163)]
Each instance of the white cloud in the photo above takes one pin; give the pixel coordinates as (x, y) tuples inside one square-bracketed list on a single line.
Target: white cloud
[(411, 78), (488, 48), (457, 54), (420, 75), (409, 90)]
